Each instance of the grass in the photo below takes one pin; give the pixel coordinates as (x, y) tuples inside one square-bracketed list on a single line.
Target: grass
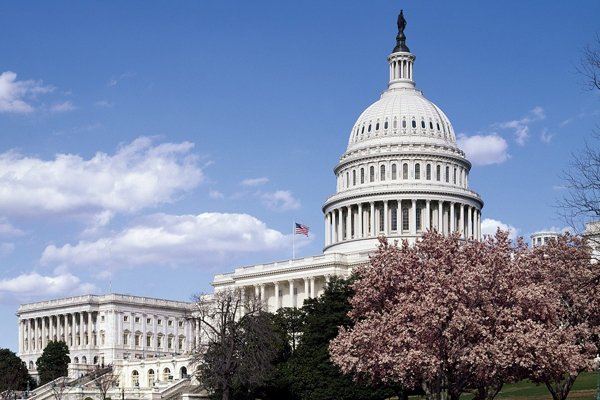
[(583, 389)]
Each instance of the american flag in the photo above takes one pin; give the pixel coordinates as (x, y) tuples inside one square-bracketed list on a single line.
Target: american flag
[(302, 229)]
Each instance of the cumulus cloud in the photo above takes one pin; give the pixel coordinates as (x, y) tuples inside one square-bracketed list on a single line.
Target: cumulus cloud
[(489, 227), (163, 239), (140, 174), (521, 126), (484, 149), (280, 200), (8, 230), (27, 287), (253, 182), (65, 106), (16, 96)]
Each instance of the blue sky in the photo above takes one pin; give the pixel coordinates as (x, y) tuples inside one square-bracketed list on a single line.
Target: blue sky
[(146, 146)]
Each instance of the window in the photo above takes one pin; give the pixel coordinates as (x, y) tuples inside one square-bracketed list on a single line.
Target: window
[(170, 323), (372, 174), (381, 219), (180, 324), (385, 125), (148, 320), (454, 178), (159, 341), (394, 172), (405, 171), (159, 321), (363, 129), (137, 320), (137, 339), (125, 318), (150, 377), (353, 177), (125, 338), (404, 123), (102, 318), (167, 375), (148, 341), (414, 123), (180, 343), (362, 175), (395, 123), (422, 124), (418, 222), (382, 173), (394, 219), (437, 173), (347, 179), (417, 171), (369, 130), (404, 219), (376, 127), (135, 378), (430, 125), (170, 342), (447, 174), (438, 126), (428, 172)]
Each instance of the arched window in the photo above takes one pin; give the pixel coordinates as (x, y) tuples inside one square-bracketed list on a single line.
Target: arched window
[(369, 130), (405, 171), (394, 172), (422, 124), (404, 123), (447, 174), (150, 377), (417, 171), (167, 375), (438, 126), (372, 174), (376, 127), (382, 173), (395, 123), (437, 173), (353, 177), (135, 378), (183, 372), (30, 364), (430, 125), (362, 175), (95, 360), (347, 179), (404, 218), (76, 360), (381, 219), (385, 124), (428, 172), (83, 360), (414, 123), (363, 129), (454, 177)]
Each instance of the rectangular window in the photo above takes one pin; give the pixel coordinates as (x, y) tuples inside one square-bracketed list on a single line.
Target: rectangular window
[(148, 341), (381, 219), (148, 320), (428, 172), (125, 338), (454, 180), (170, 323), (102, 318), (137, 320), (180, 343), (393, 172), (137, 340), (404, 171), (362, 175), (394, 219), (405, 219), (170, 343), (447, 174), (180, 324), (125, 318), (159, 342), (159, 322), (419, 218), (437, 173)]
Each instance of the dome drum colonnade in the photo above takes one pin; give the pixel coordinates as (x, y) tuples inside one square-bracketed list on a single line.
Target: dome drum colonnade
[(402, 172)]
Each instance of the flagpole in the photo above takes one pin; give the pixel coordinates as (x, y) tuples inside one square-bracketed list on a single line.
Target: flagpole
[(293, 240)]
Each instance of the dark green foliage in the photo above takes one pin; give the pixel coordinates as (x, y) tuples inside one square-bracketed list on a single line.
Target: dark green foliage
[(54, 362), (308, 373), (13, 373)]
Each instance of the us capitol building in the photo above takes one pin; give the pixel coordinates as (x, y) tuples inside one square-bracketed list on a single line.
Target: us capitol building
[(402, 173)]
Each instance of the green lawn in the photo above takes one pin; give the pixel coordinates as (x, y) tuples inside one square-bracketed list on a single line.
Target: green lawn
[(584, 388)]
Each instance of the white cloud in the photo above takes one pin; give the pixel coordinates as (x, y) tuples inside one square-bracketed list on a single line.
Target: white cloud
[(521, 126), (252, 182), (484, 149), (280, 200), (65, 106), (163, 239), (8, 230), (30, 286), (215, 194), (15, 95), (546, 136), (489, 227), (140, 174)]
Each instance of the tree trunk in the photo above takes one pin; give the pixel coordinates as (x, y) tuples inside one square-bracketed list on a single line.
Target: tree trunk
[(560, 389), (226, 392)]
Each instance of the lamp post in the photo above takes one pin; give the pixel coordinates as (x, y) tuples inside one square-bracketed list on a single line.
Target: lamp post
[(597, 359)]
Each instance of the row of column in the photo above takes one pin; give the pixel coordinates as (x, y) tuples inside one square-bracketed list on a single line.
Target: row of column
[(402, 216), (76, 329), (283, 290), (401, 68)]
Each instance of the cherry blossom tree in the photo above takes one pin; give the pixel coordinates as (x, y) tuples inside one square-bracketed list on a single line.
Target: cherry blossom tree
[(454, 317)]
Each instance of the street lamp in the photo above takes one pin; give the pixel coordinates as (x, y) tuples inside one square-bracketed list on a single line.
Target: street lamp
[(597, 359)]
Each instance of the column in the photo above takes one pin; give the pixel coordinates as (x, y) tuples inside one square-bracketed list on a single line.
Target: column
[(478, 224), (262, 293), (277, 302), (452, 227), (360, 221), (461, 221), (440, 218), (469, 222), (328, 229), (36, 334), (385, 218), (21, 336), (89, 330), (292, 299), (340, 232), (44, 342), (413, 217), (348, 235), (312, 287), (256, 292), (306, 289), (427, 215), (372, 219)]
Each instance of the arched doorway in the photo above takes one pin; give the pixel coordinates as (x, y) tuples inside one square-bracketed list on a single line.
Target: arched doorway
[(183, 373), (135, 378), (150, 377)]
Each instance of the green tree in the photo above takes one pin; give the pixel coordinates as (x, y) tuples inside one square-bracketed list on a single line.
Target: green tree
[(54, 362), (13, 374), (309, 372)]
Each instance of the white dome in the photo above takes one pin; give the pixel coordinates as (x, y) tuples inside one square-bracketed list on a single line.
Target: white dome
[(401, 115)]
